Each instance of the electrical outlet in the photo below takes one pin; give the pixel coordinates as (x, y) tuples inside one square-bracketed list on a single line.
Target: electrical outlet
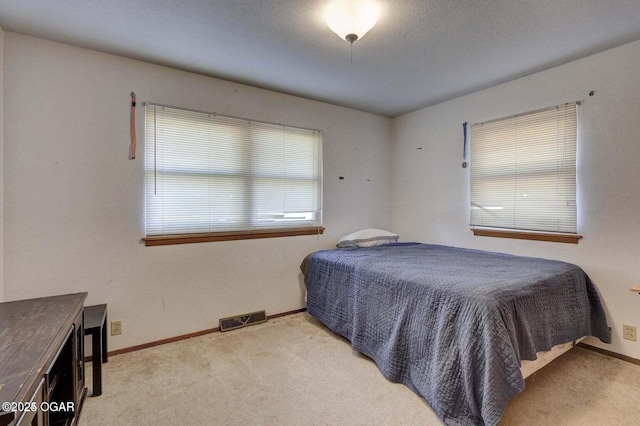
[(116, 328), (629, 332)]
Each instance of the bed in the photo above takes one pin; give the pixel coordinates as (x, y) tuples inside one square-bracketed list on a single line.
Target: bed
[(452, 324)]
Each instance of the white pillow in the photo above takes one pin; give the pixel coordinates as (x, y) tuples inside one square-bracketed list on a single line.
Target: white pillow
[(367, 238)]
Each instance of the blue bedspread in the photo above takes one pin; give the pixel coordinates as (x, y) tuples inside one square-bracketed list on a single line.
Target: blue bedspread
[(452, 324)]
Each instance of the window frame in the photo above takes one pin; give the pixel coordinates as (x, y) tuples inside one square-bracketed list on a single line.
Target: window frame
[(487, 230), (249, 224)]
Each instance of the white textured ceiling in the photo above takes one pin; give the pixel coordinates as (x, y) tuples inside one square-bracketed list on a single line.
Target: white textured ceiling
[(420, 53)]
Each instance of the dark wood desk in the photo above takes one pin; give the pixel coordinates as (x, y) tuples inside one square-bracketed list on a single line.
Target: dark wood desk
[(42, 358), (95, 324)]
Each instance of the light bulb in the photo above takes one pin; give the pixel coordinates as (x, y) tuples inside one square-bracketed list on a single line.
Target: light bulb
[(352, 19)]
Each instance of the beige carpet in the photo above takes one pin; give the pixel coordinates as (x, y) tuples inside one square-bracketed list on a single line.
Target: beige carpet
[(293, 371)]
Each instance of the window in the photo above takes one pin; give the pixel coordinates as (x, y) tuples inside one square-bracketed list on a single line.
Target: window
[(523, 171), (228, 178)]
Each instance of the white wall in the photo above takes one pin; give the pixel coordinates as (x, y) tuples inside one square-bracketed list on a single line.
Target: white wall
[(1, 165), (74, 203), (431, 190)]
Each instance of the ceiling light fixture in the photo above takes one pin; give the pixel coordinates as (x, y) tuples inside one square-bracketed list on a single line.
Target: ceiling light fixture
[(352, 19)]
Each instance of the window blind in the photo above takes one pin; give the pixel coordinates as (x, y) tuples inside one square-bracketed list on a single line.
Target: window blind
[(523, 171), (208, 173)]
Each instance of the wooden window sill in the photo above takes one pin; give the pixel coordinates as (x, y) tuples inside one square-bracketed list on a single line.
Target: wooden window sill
[(528, 235), (230, 236)]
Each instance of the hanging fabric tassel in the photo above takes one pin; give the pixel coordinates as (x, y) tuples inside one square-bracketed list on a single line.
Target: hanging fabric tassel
[(464, 145), (132, 148)]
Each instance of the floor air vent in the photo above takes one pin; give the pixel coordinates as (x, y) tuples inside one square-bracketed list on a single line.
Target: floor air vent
[(239, 321)]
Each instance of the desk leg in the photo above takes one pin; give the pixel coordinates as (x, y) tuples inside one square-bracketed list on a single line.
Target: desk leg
[(105, 350), (96, 359)]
